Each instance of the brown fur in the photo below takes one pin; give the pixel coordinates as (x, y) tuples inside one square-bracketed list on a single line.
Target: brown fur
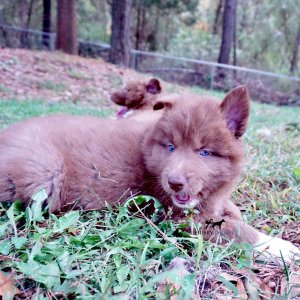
[(83, 162), (80, 161), (155, 102), (138, 99), (138, 94)]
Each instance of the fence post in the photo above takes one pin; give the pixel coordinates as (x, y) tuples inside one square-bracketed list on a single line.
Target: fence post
[(134, 63), (52, 41), (212, 75)]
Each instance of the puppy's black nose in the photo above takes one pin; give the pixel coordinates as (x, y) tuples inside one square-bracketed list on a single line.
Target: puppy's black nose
[(176, 183)]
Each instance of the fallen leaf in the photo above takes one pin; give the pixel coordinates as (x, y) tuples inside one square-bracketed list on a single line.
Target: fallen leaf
[(229, 277), (179, 270), (229, 281), (292, 288), (7, 287), (242, 290), (253, 286), (266, 292)]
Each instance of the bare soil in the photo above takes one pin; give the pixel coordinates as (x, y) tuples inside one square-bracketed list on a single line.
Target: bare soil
[(59, 77)]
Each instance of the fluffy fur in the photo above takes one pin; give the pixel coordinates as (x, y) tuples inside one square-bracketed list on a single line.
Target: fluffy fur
[(190, 156), (138, 94), (138, 98)]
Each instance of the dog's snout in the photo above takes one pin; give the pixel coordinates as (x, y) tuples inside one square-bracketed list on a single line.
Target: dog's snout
[(176, 183)]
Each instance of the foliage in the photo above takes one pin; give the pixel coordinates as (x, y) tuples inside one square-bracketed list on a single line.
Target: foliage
[(266, 30), (92, 254), (115, 253), (267, 33)]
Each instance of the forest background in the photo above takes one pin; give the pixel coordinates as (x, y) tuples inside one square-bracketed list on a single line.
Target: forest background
[(260, 34)]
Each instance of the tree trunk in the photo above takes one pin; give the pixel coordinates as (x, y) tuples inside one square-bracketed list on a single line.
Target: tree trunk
[(166, 30), (29, 14), (294, 61), (46, 23), (153, 38), (217, 17), (229, 18), (234, 49), (137, 29), (22, 13), (143, 27), (120, 32), (66, 31)]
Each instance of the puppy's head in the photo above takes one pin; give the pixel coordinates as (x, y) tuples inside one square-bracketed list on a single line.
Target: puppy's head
[(137, 94), (195, 148)]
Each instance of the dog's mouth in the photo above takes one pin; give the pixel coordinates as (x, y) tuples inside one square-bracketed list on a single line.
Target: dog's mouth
[(182, 198), (185, 200)]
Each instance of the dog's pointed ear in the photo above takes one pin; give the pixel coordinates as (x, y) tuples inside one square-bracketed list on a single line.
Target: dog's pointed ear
[(235, 108), (153, 86), (167, 104), (119, 98)]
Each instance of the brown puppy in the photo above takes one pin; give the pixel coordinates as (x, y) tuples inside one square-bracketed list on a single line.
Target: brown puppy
[(189, 157), (138, 99), (137, 95), (141, 101)]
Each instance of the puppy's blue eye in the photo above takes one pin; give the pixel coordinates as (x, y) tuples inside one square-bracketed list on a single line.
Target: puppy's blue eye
[(204, 152), (171, 148)]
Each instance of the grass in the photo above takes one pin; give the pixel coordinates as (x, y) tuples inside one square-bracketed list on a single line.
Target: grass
[(271, 179), (109, 254), (78, 75), (51, 85), (4, 89), (12, 111), (113, 254)]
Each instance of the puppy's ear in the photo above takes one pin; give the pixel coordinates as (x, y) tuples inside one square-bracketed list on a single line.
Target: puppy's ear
[(236, 107), (162, 104), (153, 86), (119, 98)]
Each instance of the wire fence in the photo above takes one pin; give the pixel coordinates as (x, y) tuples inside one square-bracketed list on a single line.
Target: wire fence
[(263, 86)]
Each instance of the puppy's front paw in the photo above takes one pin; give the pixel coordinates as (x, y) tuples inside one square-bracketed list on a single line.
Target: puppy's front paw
[(269, 247)]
